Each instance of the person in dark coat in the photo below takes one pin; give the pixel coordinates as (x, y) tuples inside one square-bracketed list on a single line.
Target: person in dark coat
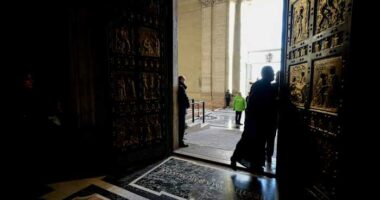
[(261, 114), (183, 104), (270, 139), (227, 98)]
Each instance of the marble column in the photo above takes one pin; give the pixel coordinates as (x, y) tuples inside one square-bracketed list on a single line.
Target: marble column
[(189, 45), (219, 52), (236, 49), (214, 51), (206, 52)]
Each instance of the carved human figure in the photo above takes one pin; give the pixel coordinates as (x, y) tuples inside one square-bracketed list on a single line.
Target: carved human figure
[(299, 23), (341, 11), (327, 13), (322, 90), (157, 128), (333, 87), (122, 41), (147, 47), (303, 51), (317, 47), (293, 89), (131, 88), (157, 46), (145, 86), (301, 88), (335, 41), (325, 44), (122, 95), (148, 129)]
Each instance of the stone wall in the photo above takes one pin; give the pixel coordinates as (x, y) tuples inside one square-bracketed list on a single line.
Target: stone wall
[(202, 52)]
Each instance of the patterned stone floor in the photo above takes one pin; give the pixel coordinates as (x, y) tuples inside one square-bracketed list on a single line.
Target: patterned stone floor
[(183, 179), (179, 178), (217, 141), (94, 192), (172, 178)]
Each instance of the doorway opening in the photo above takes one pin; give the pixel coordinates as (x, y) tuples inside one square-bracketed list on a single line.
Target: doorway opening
[(223, 46)]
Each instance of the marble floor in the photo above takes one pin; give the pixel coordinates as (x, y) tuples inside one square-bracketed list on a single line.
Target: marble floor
[(91, 188), (172, 178), (216, 142)]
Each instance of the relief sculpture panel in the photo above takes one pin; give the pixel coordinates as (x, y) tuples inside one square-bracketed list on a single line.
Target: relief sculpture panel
[(151, 86), (298, 83), (124, 87), (300, 21), (330, 13), (149, 42), (138, 87), (121, 40), (327, 84), (152, 130), (126, 132), (318, 49)]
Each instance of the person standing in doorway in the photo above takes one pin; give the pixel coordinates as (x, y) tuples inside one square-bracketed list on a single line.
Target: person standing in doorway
[(183, 104), (260, 119), (238, 107), (271, 137), (227, 98)]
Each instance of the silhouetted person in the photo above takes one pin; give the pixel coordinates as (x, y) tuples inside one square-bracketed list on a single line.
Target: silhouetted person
[(238, 107), (247, 97), (183, 104), (259, 122), (271, 137), (30, 130), (227, 98)]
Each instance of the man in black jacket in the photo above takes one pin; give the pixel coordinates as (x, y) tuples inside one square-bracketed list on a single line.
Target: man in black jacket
[(183, 104), (260, 121)]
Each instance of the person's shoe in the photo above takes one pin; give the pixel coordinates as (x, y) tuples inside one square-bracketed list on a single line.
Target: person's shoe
[(240, 123), (233, 164), (257, 170), (183, 145)]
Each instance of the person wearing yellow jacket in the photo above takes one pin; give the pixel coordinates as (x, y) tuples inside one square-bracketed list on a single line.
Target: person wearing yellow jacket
[(239, 107)]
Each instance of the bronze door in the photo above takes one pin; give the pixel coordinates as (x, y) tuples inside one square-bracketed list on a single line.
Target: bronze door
[(139, 68), (317, 55)]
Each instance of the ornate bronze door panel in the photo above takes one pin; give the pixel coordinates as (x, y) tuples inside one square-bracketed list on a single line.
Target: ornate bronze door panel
[(317, 50), (139, 64)]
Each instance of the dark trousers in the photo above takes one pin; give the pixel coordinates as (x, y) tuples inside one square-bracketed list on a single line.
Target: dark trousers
[(238, 117), (228, 102), (181, 126), (250, 150), (270, 144)]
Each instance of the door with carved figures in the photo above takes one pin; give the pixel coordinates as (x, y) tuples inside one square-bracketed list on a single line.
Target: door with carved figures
[(317, 55), (139, 52)]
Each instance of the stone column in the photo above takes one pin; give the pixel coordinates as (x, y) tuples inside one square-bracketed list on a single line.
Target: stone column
[(214, 51), (206, 51), (236, 49), (175, 74), (190, 44), (219, 52)]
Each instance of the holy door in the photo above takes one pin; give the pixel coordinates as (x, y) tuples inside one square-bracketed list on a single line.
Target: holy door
[(317, 56), (139, 67)]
